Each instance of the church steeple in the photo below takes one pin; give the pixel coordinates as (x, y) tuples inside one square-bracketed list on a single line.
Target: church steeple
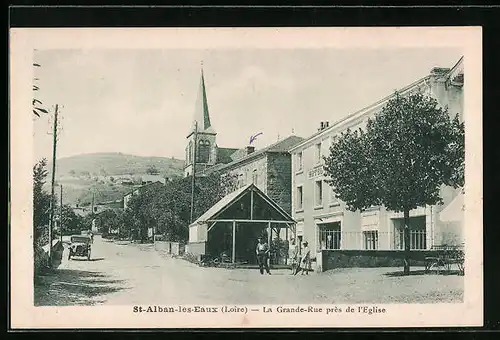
[(201, 146), (201, 114)]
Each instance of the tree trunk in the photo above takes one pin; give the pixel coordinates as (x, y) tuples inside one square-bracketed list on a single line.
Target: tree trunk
[(406, 237)]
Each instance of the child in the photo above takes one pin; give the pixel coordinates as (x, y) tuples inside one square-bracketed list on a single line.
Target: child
[(292, 254), (305, 262)]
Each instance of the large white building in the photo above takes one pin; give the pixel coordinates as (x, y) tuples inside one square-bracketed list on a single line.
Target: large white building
[(324, 221)]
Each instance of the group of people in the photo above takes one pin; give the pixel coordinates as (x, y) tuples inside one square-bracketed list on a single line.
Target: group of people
[(300, 263)]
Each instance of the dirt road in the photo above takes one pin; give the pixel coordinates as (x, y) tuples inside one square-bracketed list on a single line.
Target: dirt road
[(130, 274)]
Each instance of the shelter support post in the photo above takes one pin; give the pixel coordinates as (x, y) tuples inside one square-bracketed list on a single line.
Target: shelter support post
[(269, 231), (251, 205), (234, 241)]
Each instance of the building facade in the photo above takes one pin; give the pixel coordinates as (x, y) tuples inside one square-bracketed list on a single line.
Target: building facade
[(324, 221)]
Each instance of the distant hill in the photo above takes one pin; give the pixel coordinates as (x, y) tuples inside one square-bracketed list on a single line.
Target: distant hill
[(116, 164), (108, 175)]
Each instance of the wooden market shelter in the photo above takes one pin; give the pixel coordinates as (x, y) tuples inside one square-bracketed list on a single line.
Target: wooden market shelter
[(233, 224)]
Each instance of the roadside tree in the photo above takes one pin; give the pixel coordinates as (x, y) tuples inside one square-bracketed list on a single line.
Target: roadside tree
[(409, 151)]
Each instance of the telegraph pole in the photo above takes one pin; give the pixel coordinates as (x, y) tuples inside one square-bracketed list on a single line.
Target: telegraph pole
[(61, 214), (52, 198), (194, 170)]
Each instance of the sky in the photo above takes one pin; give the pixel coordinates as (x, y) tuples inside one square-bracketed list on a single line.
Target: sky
[(142, 102)]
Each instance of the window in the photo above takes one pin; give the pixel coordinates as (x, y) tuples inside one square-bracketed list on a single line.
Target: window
[(418, 233), (241, 180), (318, 153), (299, 161), (318, 201), (254, 176), (333, 199), (300, 198), (370, 239), (203, 151)]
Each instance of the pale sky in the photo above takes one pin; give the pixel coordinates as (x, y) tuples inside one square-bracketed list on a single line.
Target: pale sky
[(142, 102)]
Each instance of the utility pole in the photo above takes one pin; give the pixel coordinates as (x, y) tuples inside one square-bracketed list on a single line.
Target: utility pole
[(61, 214), (52, 198), (194, 170), (92, 205)]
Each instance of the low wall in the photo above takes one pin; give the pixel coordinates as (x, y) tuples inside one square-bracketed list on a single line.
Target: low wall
[(331, 259), (196, 248), (167, 247), (174, 248), (163, 246), (41, 256)]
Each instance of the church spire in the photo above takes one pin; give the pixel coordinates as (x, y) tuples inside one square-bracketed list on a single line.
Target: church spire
[(201, 114)]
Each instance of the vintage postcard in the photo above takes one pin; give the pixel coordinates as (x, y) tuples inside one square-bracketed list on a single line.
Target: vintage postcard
[(265, 177)]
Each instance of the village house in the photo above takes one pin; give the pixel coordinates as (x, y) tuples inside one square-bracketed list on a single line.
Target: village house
[(128, 196), (324, 221)]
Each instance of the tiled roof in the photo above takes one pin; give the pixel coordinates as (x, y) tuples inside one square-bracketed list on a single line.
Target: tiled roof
[(278, 147), (224, 155), (142, 187), (232, 197)]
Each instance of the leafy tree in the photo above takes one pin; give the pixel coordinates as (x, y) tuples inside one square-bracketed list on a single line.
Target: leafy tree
[(41, 202), (71, 222), (210, 189), (152, 170), (408, 152), (109, 220), (166, 208)]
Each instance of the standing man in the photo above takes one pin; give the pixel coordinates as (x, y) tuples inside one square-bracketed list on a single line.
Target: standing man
[(262, 251)]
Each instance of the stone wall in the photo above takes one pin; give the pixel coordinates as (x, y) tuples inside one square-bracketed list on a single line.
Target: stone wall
[(279, 179)]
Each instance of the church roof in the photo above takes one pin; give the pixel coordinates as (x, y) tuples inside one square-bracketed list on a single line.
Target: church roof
[(201, 113), (224, 155)]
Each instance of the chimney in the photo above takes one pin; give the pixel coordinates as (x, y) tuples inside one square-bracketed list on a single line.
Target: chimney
[(323, 125), (250, 149), (439, 71)]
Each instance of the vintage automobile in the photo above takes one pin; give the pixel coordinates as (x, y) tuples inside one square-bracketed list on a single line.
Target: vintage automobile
[(80, 246)]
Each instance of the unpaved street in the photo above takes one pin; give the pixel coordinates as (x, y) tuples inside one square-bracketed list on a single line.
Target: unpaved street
[(130, 274)]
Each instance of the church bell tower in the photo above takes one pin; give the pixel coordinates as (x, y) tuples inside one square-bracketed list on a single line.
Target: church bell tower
[(201, 139)]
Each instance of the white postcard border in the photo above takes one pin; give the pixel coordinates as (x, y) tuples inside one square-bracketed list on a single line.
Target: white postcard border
[(22, 43)]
